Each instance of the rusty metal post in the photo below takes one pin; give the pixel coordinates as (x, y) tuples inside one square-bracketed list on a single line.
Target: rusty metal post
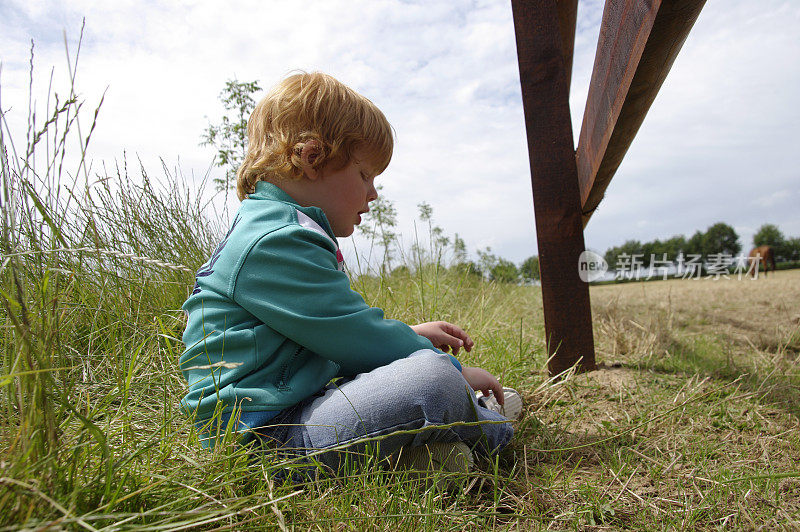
[(554, 179)]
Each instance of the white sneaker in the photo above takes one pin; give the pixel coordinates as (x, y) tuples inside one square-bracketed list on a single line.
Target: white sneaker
[(452, 457), (512, 408)]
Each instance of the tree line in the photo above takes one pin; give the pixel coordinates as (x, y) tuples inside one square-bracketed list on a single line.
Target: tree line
[(719, 238)]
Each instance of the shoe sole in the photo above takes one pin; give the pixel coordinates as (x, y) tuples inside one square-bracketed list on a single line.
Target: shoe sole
[(454, 457)]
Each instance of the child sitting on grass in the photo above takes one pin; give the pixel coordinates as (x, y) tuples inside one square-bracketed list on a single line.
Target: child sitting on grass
[(272, 319)]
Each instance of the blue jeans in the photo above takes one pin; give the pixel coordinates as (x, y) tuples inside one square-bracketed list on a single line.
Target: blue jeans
[(410, 402)]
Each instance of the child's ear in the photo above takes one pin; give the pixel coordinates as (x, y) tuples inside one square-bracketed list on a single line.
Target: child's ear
[(312, 150)]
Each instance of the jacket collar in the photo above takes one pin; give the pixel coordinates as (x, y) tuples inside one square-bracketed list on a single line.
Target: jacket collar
[(268, 191)]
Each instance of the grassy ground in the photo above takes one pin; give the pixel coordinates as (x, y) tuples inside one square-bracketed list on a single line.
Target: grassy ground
[(691, 422)]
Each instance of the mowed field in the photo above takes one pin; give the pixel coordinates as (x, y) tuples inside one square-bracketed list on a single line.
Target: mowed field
[(692, 420)]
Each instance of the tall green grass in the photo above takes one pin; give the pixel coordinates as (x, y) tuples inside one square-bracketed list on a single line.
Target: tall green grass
[(95, 265), (96, 262)]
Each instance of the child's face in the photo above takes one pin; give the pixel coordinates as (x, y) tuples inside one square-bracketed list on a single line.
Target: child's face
[(344, 195)]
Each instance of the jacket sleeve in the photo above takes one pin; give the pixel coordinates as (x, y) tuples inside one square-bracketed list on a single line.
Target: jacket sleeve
[(290, 281)]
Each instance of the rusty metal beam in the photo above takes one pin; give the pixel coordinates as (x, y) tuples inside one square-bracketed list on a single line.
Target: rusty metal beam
[(567, 18), (554, 179), (639, 40)]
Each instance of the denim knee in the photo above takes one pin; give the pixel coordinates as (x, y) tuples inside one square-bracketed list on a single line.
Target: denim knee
[(436, 385), (434, 371)]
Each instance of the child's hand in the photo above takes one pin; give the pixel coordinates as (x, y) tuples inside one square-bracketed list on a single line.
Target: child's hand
[(482, 380), (444, 335)]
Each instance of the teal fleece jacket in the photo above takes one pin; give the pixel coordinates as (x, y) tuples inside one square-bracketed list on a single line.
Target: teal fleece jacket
[(272, 318)]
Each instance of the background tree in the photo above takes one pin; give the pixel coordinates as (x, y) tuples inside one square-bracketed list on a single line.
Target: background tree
[(630, 248), (230, 135), (652, 248), (468, 267), (486, 261), (720, 238), (379, 225), (497, 268), (792, 246), (437, 240), (459, 250), (770, 235), (694, 246), (529, 270), (674, 246), (504, 271)]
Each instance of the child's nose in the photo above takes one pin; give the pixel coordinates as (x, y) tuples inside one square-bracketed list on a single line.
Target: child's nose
[(372, 194)]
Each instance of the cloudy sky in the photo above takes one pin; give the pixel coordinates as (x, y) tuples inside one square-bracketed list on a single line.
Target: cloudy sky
[(719, 143)]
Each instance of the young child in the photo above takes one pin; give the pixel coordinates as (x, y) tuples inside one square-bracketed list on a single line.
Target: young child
[(272, 318)]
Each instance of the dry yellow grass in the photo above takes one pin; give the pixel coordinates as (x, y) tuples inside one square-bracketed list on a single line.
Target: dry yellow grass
[(752, 315), (692, 420)]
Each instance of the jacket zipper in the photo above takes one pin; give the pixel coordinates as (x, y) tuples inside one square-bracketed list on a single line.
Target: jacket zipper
[(286, 367)]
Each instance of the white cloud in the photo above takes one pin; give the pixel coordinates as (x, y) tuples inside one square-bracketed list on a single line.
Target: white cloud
[(721, 133), (777, 198)]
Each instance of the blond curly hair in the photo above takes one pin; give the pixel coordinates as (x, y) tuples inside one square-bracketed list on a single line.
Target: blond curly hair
[(305, 107)]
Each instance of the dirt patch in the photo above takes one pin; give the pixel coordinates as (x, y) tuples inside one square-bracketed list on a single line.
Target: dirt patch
[(614, 378)]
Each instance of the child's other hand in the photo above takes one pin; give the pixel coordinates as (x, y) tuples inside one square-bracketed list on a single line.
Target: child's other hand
[(482, 380), (444, 335)]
